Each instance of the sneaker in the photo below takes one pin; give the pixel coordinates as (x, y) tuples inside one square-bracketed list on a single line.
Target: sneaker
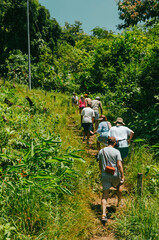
[(104, 218), (88, 142)]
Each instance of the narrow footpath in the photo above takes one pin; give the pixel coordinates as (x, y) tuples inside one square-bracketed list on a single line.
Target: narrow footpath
[(105, 231)]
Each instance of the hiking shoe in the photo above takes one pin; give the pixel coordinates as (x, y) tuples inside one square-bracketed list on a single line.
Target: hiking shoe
[(88, 142), (104, 218), (83, 138)]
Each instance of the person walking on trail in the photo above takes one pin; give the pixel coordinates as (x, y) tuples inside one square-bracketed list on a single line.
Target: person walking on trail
[(87, 119), (74, 99), (87, 99), (103, 129), (96, 104), (112, 156), (123, 136), (82, 103)]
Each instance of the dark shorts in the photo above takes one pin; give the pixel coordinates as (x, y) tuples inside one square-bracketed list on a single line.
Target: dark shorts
[(123, 151), (87, 126)]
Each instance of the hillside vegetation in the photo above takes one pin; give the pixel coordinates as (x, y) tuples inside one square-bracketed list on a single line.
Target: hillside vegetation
[(48, 181)]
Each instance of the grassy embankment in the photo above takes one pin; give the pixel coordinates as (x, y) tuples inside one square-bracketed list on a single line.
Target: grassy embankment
[(28, 211), (36, 205)]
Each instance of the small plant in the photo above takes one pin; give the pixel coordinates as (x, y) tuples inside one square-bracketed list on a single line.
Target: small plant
[(6, 231)]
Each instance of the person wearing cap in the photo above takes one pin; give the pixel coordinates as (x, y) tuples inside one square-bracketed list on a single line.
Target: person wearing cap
[(87, 99), (87, 119), (103, 129), (82, 103), (123, 136), (96, 105), (113, 156), (74, 99)]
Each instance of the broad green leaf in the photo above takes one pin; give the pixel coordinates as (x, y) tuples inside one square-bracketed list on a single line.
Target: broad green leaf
[(139, 140)]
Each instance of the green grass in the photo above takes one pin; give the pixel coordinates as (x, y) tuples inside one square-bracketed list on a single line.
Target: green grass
[(139, 220)]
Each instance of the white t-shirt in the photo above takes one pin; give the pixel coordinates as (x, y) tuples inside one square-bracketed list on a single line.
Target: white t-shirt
[(87, 114), (95, 104), (120, 133)]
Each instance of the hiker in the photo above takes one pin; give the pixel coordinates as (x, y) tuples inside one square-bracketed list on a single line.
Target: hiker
[(82, 103), (74, 99), (87, 119), (96, 104), (103, 130), (110, 156), (87, 99), (123, 136)]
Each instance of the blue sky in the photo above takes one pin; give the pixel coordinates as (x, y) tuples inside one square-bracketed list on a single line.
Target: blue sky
[(91, 13)]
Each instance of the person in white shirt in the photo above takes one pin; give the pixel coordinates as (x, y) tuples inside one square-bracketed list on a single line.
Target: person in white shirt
[(87, 119), (96, 104), (123, 136)]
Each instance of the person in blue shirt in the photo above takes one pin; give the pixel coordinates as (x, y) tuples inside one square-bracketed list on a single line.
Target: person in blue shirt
[(103, 129)]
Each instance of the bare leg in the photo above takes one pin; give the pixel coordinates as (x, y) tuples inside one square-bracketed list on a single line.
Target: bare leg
[(84, 135), (96, 124), (119, 194), (88, 135), (104, 201), (98, 145)]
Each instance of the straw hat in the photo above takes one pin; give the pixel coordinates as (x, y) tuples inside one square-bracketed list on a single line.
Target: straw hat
[(119, 121)]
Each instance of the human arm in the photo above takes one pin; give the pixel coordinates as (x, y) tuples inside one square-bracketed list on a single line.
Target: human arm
[(101, 109), (82, 113), (120, 168), (93, 116), (131, 136), (109, 125), (93, 119)]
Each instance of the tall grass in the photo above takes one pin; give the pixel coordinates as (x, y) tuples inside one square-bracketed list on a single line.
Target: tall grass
[(139, 220)]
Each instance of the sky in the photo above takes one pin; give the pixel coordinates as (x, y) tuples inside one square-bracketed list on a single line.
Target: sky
[(91, 13)]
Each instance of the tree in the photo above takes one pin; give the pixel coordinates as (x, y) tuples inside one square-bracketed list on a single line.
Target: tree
[(13, 27), (72, 32), (135, 11), (101, 33)]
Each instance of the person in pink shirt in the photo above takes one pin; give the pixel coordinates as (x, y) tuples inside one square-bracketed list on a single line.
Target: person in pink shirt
[(82, 104)]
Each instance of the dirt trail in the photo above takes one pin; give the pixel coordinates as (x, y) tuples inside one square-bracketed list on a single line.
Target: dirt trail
[(104, 232)]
